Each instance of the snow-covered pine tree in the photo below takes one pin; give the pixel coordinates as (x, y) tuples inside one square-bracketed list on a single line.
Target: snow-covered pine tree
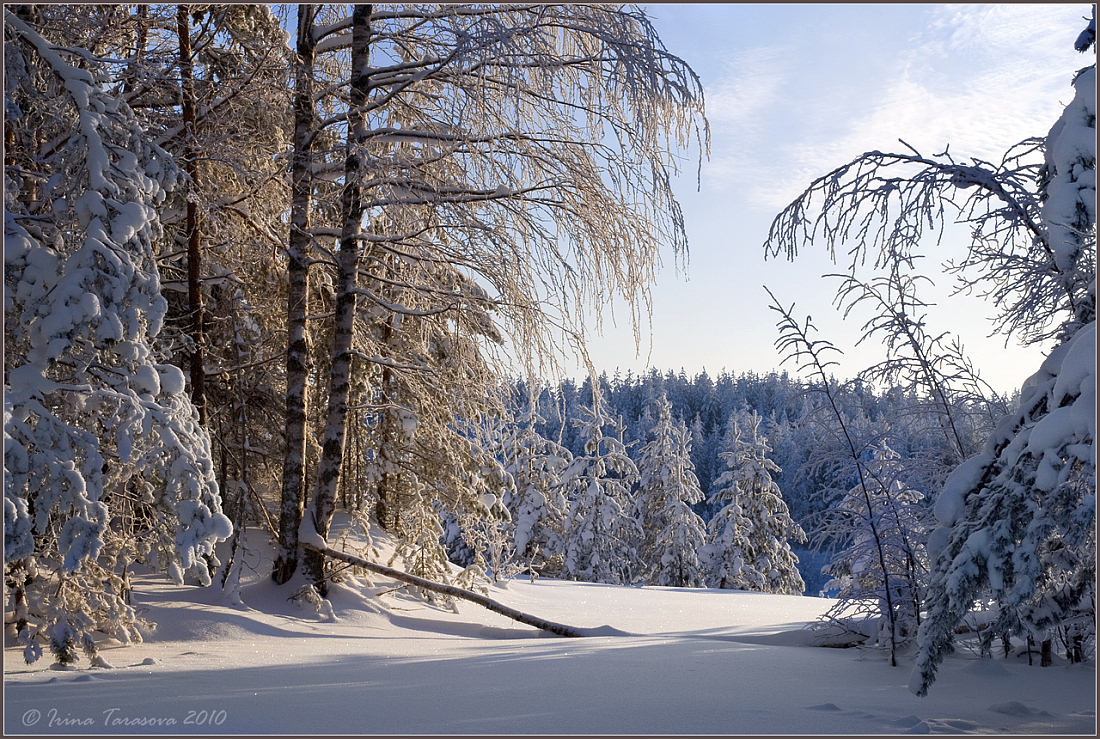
[(672, 533), (601, 535), (1017, 521), (748, 539), (482, 516), (704, 453), (725, 554), (537, 501), (105, 463), (892, 525)]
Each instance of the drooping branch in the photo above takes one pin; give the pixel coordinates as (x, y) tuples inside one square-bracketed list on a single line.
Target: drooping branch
[(886, 201), (881, 205)]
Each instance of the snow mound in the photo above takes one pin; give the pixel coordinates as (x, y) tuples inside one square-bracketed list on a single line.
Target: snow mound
[(1016, 708)]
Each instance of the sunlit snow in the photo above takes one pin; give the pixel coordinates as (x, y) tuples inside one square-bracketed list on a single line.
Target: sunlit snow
[(690, 661)]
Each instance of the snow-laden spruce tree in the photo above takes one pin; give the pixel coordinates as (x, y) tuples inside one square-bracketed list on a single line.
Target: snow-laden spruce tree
[(1017, 521), (483, 518), (601, 535), (748, 539), (537, 500), (672, 533), (884, 528), (105, 463)]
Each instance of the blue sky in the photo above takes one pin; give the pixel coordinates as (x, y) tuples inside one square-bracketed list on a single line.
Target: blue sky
[(795, 90)]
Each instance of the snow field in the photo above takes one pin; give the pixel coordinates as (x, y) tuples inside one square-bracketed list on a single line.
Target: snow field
[(690, 661)]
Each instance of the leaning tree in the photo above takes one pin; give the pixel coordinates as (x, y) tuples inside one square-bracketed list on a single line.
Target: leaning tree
[(1016, 519)]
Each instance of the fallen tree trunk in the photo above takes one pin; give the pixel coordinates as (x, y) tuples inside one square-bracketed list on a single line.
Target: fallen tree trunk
[(451, 590)]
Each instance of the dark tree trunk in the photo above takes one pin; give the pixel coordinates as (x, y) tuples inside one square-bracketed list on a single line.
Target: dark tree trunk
[(1077, 651), (192, 226), (332, 448), (1046, 653), (293, 497), (142, 36), (388, 508)]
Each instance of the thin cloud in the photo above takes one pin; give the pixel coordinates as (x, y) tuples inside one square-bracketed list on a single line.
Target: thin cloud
[(751, 82), (980, 78), (737, 108)]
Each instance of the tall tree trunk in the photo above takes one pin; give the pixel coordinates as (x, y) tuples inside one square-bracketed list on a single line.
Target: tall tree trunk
[(192, 225), (141, 40), (332, 449), (297, 351), (388, 508), (142, 30)]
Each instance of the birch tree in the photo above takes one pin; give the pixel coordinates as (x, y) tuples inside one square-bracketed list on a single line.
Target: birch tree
[(1007, 513), (1017, 520), (795, 343), (899, 530), (526, 146), (293, 490)]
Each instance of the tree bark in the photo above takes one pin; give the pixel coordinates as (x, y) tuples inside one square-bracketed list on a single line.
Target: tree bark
[(192, 226), (332, 449), (451, 590), (293, 497), (387, 507), (1046, 653)]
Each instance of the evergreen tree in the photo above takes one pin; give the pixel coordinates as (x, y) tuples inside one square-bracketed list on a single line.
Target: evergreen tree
[(700, 459), (601, 535), (105, 463), (537, 502), (1017, 521), (748, 538), (672, 532), (420, 533)]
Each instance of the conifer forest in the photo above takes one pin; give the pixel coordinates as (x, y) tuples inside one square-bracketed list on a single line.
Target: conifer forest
[(293, 298)]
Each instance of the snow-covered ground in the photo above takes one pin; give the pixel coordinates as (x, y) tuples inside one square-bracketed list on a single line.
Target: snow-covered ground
[(690, 661)]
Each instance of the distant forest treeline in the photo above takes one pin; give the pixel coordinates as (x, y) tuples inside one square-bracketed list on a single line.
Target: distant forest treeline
[(796, 424)]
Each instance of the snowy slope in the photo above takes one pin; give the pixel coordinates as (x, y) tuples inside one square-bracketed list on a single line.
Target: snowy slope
[(691, 661)]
